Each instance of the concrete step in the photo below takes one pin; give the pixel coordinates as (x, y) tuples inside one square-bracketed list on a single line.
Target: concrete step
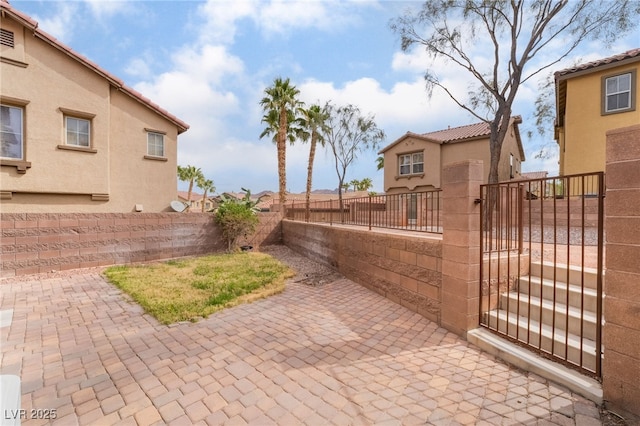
[(543, 310), (549, 341), (545, 288), (530, 361), (575, 274)]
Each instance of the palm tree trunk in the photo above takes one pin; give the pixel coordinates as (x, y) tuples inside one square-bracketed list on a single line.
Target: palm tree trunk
[(189, 195), (312, 154), (282, 159), (204, 197)]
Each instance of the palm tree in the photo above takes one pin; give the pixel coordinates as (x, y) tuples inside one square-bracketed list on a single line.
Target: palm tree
[(279, 105), (365, 184), (355, 184), (206, 185), (312, 122), (189, 174), (380, 163)]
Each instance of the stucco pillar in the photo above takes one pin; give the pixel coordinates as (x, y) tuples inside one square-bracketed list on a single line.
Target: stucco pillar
[(621, 332), (460, 245)]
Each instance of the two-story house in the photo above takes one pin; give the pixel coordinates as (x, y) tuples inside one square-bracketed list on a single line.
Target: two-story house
[(75, 138), (591, 99), (414, 161)]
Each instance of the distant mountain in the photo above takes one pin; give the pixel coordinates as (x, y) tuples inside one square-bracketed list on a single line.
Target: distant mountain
[(263, 193)]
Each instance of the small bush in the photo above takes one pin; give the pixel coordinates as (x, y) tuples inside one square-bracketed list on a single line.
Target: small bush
[(237, 218)]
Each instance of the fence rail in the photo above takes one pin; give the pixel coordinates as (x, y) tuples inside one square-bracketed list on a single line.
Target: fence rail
[(542, 265), (413, 211)]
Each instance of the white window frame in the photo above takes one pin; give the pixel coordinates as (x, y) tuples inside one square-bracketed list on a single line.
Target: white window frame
[(412, 161), (616, 91), (74, 135), (155, 140), (10, 132)]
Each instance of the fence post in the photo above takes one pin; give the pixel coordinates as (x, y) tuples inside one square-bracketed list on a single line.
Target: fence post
[(461, 245), (331, 212), (369, 212), (521, 219), (621, 332)]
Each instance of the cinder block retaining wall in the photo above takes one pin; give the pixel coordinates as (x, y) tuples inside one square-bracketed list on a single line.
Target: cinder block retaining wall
[(403, 268), (44, 242), (621, 332)]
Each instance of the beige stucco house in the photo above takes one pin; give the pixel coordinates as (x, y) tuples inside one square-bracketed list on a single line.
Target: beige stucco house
[(74, 137), (414, 161), (591, 99)]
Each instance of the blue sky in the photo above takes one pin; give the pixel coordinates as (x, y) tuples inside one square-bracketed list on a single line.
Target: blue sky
[(208, 62)]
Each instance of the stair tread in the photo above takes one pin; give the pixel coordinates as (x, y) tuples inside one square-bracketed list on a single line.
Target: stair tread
[(562, 285), (560, 308), (588, 345), (573, 268)]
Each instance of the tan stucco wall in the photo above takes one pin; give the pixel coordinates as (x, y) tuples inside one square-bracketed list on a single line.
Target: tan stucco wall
[(583, 139), (436, 156), (63, 180), (154, 182)]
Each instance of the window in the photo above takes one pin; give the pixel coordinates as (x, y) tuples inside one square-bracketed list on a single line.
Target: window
[(78, 132), (155, 144), (511, 174), (411, 163), (618, 93), (11, 134)]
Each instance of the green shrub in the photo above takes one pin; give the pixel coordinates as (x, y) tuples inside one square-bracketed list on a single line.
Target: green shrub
[(237, 218)]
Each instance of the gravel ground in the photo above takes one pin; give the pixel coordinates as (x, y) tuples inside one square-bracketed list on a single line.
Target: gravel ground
[(307, 270)]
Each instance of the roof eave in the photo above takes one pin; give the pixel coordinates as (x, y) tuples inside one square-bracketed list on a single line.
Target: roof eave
[(32, 25), (406, 136)]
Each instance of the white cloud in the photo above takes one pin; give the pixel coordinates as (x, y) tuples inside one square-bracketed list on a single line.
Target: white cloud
[(279, 17), (221, 19), (139, 67), (108, 8), (61, 24)]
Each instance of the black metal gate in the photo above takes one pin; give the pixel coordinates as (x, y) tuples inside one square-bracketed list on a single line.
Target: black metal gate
[(541, 266)]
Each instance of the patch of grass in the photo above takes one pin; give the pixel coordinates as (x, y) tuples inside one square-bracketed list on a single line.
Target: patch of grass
[(188, 289)]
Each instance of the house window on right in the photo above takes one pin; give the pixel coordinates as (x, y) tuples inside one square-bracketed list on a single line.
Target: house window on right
[(617, 93), (411, 163)]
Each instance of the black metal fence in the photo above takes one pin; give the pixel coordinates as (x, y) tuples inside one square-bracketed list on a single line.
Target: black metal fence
[(541, 266), (413, 211)]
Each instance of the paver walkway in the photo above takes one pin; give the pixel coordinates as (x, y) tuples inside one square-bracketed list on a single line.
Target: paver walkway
[(335, 354)]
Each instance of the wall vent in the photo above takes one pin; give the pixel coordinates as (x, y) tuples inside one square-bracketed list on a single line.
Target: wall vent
[(6, 38)]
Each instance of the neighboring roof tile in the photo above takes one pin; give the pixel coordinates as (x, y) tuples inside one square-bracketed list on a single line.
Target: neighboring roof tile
[(194, 195), (633, 53), (30, 23), (534, 175), (458, 133)]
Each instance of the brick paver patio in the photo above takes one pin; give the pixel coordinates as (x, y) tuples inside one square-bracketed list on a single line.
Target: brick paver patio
[(335, 354)]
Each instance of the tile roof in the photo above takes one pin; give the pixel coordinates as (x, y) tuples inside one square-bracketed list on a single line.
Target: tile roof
[(534, 175), (459, 133), (31, 24), (629, 54), (194, 195)]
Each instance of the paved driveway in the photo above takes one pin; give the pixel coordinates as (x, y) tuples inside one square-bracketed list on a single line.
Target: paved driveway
[(333, 354)]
